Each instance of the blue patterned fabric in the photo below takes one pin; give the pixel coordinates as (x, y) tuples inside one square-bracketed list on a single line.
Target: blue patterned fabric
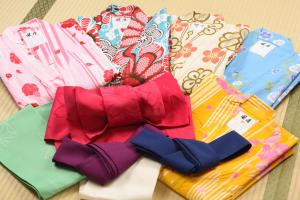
[(266, 66)]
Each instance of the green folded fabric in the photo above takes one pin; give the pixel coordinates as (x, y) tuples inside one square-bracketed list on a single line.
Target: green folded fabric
[(25, 154)]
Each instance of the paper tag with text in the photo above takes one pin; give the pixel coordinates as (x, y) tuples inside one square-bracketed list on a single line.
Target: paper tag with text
[(33, 38), (262, 48), (241, 123), (120, 22), (198, 27)]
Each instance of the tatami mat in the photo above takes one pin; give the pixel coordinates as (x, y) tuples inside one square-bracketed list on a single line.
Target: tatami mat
[(276, 15)]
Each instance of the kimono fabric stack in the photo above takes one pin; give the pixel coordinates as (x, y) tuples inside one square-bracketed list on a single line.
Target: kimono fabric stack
[(119, 100)]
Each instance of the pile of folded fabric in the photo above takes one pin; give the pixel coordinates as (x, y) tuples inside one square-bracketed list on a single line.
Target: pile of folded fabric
[(108, 100)]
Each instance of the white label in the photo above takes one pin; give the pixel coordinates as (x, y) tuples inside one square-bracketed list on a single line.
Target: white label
[(262, 48), (33, 38), (120, 22), (198, 26), (241, 123)]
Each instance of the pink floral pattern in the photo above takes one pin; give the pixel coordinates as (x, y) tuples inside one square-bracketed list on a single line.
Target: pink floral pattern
[(8, 75), (30, 89), (35, 104), (226, 86), (14, 59), (179, 26), (186, 51), (271, 149), (108, 75), (60, 54), (213, 56), (70, 23), (235, 175)]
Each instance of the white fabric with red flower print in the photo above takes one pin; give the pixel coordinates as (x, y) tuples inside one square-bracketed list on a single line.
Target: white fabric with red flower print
[(202, 43), (37, 57)]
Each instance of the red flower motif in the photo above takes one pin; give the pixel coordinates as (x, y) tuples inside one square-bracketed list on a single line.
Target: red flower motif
[(19, 71), (93, 33), (88, 64), (35, 104), (131, 81), (85, 22), (8, 75), (108, 75), (30, 89), (130, 36), (98, 18), (186, 51), (213, 56), (179, 26), (14, 59), (70, 23), (166, 62), (219, 17), (23, 29), (146, 67)]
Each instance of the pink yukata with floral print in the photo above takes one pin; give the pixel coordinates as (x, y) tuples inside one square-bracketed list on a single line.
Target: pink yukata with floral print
[(37, 57)]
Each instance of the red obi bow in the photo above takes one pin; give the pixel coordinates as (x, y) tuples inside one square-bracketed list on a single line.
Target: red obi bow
[(114, 113)]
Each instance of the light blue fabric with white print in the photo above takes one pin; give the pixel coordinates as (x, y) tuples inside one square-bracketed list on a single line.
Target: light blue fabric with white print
[(267, 66), (159, 29), (112, 31)]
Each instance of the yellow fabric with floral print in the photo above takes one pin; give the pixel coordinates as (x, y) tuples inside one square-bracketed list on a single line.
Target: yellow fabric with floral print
[(215, 105), (202, 43)]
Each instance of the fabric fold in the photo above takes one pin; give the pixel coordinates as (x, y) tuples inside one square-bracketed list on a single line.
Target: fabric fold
[(115, 113), (266, 66), (28, 157), (189, 156), (100, 163), (38, 57), (136, 183)]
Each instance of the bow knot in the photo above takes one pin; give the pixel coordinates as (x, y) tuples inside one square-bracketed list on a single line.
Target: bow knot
[(85, 115)]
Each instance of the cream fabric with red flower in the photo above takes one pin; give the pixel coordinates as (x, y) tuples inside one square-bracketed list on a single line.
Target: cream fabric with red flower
[(202, 43)]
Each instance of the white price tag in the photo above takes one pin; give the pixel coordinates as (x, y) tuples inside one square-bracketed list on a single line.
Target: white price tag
[(120, 22), (33, 38), (198, 27), (262, 48), (241, 123)]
